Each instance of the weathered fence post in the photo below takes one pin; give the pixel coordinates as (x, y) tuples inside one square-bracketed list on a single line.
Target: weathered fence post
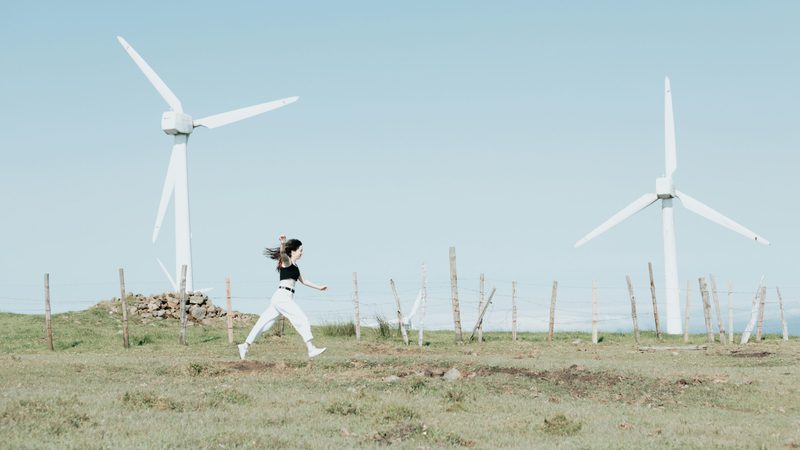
[(753, 315), (479, 323), (399, 313), (513, 310), (730, 313), (761, 307), (182, 333), (553, 311), (653, 295), (229, 309), (420, 340), (686, 312), (722, 337), (594, 311), (122, 297), (454, 292), (356, 306), (47, 323), (480, 307), (783, 319), (706, 308), (633, 310)]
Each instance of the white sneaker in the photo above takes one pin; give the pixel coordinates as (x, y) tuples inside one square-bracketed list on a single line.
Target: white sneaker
[(316, 351), (243, 350)]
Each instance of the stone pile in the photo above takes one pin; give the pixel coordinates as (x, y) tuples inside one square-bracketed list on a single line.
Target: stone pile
[(199, 307)]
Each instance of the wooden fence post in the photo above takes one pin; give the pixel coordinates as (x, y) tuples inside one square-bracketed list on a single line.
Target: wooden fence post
[(653, 295), (420, 340), (480, 307), (730, 313), (182, 334), (399, 313), (706, 308), (356, 307), (722, 337), (753, 315), (633, 310), (479, 323), (783, 319), (229, 309), (761, 308), (122, 297), (594, 311), (686, 312), (47, 323), (454, 292), (553, 311), (513, 310)]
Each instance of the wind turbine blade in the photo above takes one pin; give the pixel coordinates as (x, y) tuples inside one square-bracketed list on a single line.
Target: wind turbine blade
[(407, 319), (166, 194), (169, 277), (151, 75), (626, 212), (225, 118), (703, 210), (669, 131)]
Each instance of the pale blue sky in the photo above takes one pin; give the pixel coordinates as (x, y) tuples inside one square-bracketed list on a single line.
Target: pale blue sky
[(506, 129)]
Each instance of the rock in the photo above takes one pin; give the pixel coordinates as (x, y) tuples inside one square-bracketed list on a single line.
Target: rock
[(391, 378), (198, 313), (196, 299), (452, 374), (159, 313)]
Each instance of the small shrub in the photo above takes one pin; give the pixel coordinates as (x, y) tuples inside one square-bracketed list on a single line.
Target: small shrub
[(399, 414), (228, 396), (345, 329), (146, 339), (342, 408), (148, 400), (196, 369), (66, 345), (384, 330), (455, 400), (561, 425)]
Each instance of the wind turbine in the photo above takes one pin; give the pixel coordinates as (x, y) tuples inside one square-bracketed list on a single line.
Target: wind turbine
[(665, 191), (180, 125)]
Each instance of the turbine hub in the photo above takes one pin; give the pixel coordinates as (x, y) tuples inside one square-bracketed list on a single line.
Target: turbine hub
[(665, 188), (173, 122)]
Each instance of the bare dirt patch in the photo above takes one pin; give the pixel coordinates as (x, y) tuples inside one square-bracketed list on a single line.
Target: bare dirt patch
[(248, 367), (742, 354)]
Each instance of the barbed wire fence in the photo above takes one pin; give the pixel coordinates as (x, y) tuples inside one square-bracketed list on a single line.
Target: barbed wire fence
[(573, 308)]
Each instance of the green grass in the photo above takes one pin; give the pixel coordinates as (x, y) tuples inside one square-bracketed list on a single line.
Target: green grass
[(378, 393)]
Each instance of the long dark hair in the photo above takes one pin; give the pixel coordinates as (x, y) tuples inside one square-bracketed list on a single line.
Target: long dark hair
[(275, 253)]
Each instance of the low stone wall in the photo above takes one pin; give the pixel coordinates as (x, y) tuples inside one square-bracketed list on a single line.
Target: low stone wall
[(199, 307)]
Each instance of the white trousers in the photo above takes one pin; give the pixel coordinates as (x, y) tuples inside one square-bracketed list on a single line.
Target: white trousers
[(282, 303)]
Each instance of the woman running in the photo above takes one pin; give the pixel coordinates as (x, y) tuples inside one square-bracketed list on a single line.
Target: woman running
[(282, 302)]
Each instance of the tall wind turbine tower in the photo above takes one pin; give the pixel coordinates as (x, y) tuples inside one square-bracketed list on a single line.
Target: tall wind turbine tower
[(665, 191), (180, 125)]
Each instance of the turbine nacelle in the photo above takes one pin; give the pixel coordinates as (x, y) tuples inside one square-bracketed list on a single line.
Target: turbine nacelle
[(174, 122), (665, 188)]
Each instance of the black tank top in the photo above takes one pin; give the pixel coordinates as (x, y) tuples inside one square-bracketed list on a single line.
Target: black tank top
[(289, 273)]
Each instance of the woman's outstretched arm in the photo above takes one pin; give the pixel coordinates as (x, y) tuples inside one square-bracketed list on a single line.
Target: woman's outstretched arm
[(312, 285)]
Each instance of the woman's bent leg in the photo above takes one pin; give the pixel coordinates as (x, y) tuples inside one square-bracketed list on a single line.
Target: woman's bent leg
[(265, 321), (296, 317)]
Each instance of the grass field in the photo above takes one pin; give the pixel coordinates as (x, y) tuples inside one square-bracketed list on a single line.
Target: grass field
[(377, 393)]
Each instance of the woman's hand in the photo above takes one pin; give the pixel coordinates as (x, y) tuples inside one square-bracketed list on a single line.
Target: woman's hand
[(323, 288), (282, 239)]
